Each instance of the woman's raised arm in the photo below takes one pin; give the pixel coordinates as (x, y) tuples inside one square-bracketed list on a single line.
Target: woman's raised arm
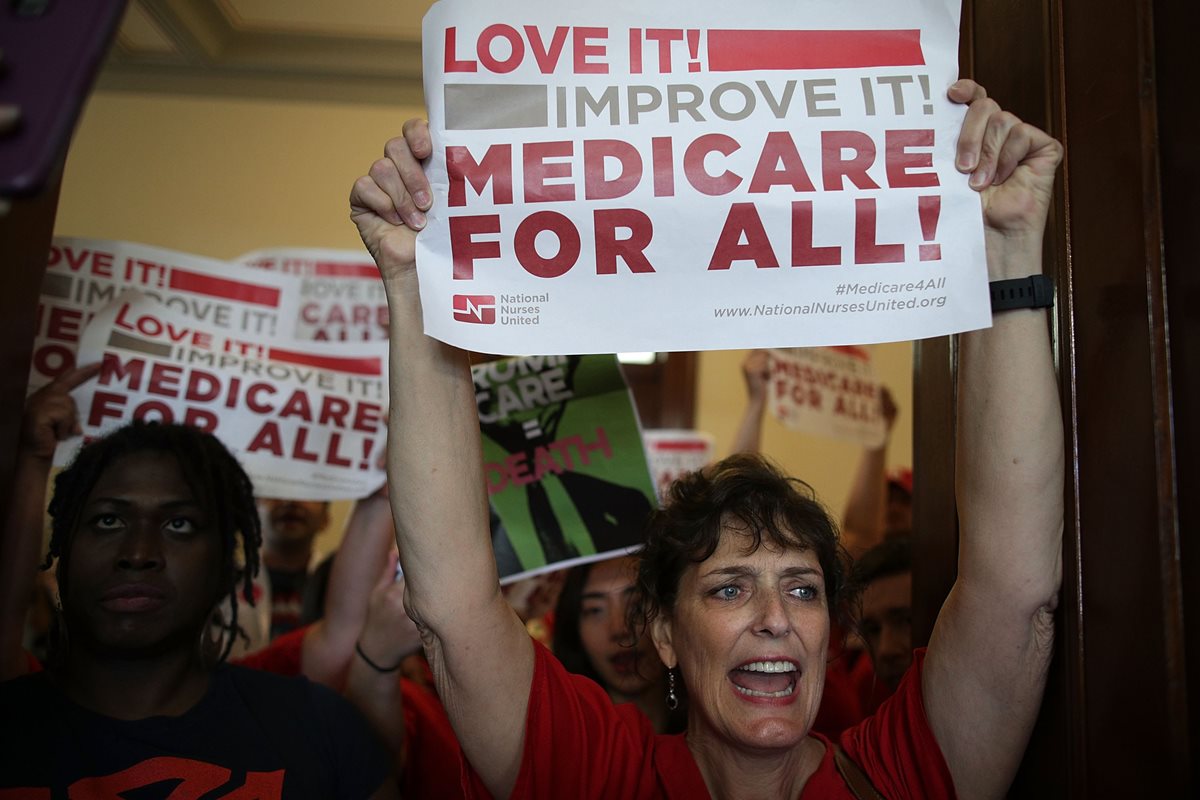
[(986, 667), (478, 649)]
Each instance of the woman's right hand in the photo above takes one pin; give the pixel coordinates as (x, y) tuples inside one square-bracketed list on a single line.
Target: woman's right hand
[(388, 204)]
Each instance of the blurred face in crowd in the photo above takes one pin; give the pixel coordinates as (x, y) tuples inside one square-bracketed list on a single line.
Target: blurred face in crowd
[(898, 514), (627, 666), (887, 625), (750, 632), (145, 567), (292, 523)]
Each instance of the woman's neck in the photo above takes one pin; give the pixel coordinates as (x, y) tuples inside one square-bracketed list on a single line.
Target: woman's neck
[(733, 773), (134, 688)]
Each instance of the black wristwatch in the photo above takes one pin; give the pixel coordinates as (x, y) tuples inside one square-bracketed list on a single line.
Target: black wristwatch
[(1035, 291)]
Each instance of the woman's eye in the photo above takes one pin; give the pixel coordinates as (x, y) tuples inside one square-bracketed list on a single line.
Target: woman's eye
[(805, 593), (730, 592)]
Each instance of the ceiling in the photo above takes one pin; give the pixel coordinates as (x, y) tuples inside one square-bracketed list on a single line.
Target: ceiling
[(323, 50)]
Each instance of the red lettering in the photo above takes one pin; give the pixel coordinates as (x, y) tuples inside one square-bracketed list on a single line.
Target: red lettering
[(663, 159), (268, 439), (164, 380), (743, 222), (596, 184), (866, 249), (804, 254), (496, 167), (298, 451), (367, 417), (202, 387), (333, 411), (568, 244), (583, 49), (834, 168), (297, 406), (104, 405), (546, 57), (537, 171), (484, 48), (900, 162), (252, 402), (64, 324), (632, 248), (111, 369), (464, 250), (53, 360), (453, 63), (332, 455), (779, 164), (693, 164)]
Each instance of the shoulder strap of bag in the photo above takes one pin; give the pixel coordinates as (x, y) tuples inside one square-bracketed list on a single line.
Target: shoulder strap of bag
[(856, 779)]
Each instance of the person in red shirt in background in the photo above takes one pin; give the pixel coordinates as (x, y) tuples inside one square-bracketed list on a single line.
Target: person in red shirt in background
[(884, 574)]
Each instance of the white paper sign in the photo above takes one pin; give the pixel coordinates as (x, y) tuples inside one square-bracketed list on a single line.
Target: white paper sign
[(827, 391), (85, 275), (695, 175), (671, 454), (304, 418), (341, 294)]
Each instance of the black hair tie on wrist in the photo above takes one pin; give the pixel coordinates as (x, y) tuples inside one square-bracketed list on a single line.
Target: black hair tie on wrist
[(358, 649)]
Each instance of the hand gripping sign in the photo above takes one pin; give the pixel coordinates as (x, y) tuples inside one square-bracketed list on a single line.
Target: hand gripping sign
[(827, 391), (85, 275), (563, 460), (695, 175), (305, 419)]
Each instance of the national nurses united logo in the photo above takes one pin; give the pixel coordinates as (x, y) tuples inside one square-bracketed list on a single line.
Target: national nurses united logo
[(476, 308)]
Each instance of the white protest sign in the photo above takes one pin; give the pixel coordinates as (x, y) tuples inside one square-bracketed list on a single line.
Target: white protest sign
[(304, 418), (672, 454), (695, 175), (85, 275), (827, 391), (341, 293)]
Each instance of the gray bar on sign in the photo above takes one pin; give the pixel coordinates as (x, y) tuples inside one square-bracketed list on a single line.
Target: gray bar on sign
[(57, 285), (489, 106), (127, 342)]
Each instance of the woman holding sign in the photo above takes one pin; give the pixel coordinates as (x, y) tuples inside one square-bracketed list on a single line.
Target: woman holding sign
[(741, 592)]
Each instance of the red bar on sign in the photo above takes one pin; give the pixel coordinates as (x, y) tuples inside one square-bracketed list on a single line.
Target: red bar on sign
[(680, 446), (851, 350), (740, 51), (224, 288), (332, 269), (356, 366)]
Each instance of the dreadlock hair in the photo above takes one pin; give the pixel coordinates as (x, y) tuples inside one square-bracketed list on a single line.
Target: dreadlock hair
[(214, 476), (748, 494)]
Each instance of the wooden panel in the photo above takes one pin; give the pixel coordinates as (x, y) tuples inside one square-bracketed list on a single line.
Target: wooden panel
[(1177, 75)]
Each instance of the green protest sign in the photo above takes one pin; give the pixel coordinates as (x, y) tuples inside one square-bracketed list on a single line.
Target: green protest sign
[(563, 459)]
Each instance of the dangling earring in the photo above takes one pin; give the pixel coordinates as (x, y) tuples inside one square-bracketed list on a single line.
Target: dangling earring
[(672, 698)]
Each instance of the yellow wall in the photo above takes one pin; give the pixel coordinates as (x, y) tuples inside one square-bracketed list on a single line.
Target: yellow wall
[(219, 177)]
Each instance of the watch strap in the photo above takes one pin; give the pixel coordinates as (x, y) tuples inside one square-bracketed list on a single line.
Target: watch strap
[(1035, 291)]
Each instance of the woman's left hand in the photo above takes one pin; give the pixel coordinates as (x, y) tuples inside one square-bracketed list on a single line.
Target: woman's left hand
[(1011, 163)]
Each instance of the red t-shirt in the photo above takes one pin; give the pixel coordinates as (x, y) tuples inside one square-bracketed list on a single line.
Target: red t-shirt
[(579, 745)]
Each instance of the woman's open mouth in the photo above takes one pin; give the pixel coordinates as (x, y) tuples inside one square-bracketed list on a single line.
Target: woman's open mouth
[(766, 680)]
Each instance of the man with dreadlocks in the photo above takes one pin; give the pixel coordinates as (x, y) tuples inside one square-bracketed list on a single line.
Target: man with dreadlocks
[(147, 524)]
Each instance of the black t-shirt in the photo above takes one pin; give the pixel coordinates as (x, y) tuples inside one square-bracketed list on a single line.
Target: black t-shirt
[(252, 735)]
